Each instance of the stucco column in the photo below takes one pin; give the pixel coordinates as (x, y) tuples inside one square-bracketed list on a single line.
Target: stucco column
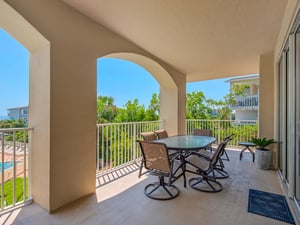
[(266, 99), (266, 95)]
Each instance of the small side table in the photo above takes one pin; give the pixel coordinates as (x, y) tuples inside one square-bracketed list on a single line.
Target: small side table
[(247, 147)]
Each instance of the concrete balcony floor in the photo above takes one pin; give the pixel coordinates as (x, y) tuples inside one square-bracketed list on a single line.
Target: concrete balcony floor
[(122, 201)]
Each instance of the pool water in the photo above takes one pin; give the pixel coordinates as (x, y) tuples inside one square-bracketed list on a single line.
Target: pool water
[(7, 165)]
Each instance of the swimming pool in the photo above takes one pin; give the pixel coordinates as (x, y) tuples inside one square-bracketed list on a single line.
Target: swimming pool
[(7, 165)]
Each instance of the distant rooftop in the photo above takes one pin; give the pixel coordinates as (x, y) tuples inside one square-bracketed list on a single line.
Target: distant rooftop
[(243, 78), (21, 107)]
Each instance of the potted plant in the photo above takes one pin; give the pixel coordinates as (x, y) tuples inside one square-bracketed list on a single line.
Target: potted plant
[(263, 155)]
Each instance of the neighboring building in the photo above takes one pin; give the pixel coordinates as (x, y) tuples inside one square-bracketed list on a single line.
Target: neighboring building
[(18, 113), (246, 107)]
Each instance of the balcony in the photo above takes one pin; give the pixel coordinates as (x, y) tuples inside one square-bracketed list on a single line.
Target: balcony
[(119, 196), (122, 201), (246, 102)]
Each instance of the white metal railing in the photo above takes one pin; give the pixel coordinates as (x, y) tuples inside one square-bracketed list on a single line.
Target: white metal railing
[(243, 130), (14, 167), (250, 101), (116, 143)]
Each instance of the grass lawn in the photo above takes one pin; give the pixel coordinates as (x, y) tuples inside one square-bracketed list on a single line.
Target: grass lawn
[(8, 190)]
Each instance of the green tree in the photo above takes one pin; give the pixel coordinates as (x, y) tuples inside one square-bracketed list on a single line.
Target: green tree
[(106, 110), (152, 112), (221, 108), (196, 107), (15, 124), (236, 90), (131, 113)]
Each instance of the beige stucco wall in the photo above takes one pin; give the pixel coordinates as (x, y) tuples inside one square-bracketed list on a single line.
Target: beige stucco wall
[(64, 170), (266, 95)]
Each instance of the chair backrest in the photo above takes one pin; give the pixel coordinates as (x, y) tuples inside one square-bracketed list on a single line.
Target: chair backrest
[(228, 137), (202, 132), (161, 133), (148, 136), (155, 156), (218, 152)]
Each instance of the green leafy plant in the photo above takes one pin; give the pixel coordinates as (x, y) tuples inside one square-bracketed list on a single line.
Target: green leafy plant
[(262, 143)]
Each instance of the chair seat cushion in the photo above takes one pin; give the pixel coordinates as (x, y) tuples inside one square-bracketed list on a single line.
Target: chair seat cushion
[(199, 162)]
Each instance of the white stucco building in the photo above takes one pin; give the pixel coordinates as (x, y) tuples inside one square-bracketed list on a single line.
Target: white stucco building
[(246, 107), (18, 113)]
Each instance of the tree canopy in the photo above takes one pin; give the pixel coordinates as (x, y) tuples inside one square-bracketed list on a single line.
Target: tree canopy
[(197, 107)]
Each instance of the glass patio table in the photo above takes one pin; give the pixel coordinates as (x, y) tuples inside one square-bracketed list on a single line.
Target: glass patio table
[(185, 144)]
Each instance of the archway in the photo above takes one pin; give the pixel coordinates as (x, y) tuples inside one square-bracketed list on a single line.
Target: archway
[(168, 88), (39, 97)]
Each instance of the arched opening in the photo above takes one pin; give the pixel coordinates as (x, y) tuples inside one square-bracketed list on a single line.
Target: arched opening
[(168, 88), (126, 92), (39, 99)]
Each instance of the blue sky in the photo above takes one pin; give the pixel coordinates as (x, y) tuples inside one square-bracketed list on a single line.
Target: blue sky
[(133, 81), (120, 79), (14, 70)]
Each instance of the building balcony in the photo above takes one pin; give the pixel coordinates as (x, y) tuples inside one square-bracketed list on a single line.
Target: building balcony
[(119, 195), (249, 102), (119, 199)]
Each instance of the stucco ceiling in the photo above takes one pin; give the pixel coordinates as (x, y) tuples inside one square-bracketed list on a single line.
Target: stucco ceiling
[(204, 39)]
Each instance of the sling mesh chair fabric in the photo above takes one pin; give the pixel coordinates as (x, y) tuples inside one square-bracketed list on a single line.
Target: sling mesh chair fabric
[(203, 132), (204, 167), (225, 153), (220, 173), (162, 133), (147, 136), (157, 162)]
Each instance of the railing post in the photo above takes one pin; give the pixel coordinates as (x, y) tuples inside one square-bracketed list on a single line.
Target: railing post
[(98, 147), (219, 131), (134, 141), (2, 172)]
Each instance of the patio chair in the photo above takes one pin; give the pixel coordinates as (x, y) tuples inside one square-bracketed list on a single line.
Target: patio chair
[(225, 153), (203, 132), (162, 133), (220, 173), (157, 162), (147, 136), (207, 181)]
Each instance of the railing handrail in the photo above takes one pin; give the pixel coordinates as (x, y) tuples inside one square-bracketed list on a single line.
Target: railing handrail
[(245, 96), (125, 123), (216, 120), (5, 130)]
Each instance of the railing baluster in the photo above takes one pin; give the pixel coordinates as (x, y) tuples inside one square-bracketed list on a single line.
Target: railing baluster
[(97, 153), (25, 164), (13, 152), (14, 168), (134, 141), (2, 171)]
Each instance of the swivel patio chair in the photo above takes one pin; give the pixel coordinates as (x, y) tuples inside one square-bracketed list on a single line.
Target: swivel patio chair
[(147, 136), (203, 132), (220, 173), (162, 133), (157, 162), (207, 181), (225, 153)]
